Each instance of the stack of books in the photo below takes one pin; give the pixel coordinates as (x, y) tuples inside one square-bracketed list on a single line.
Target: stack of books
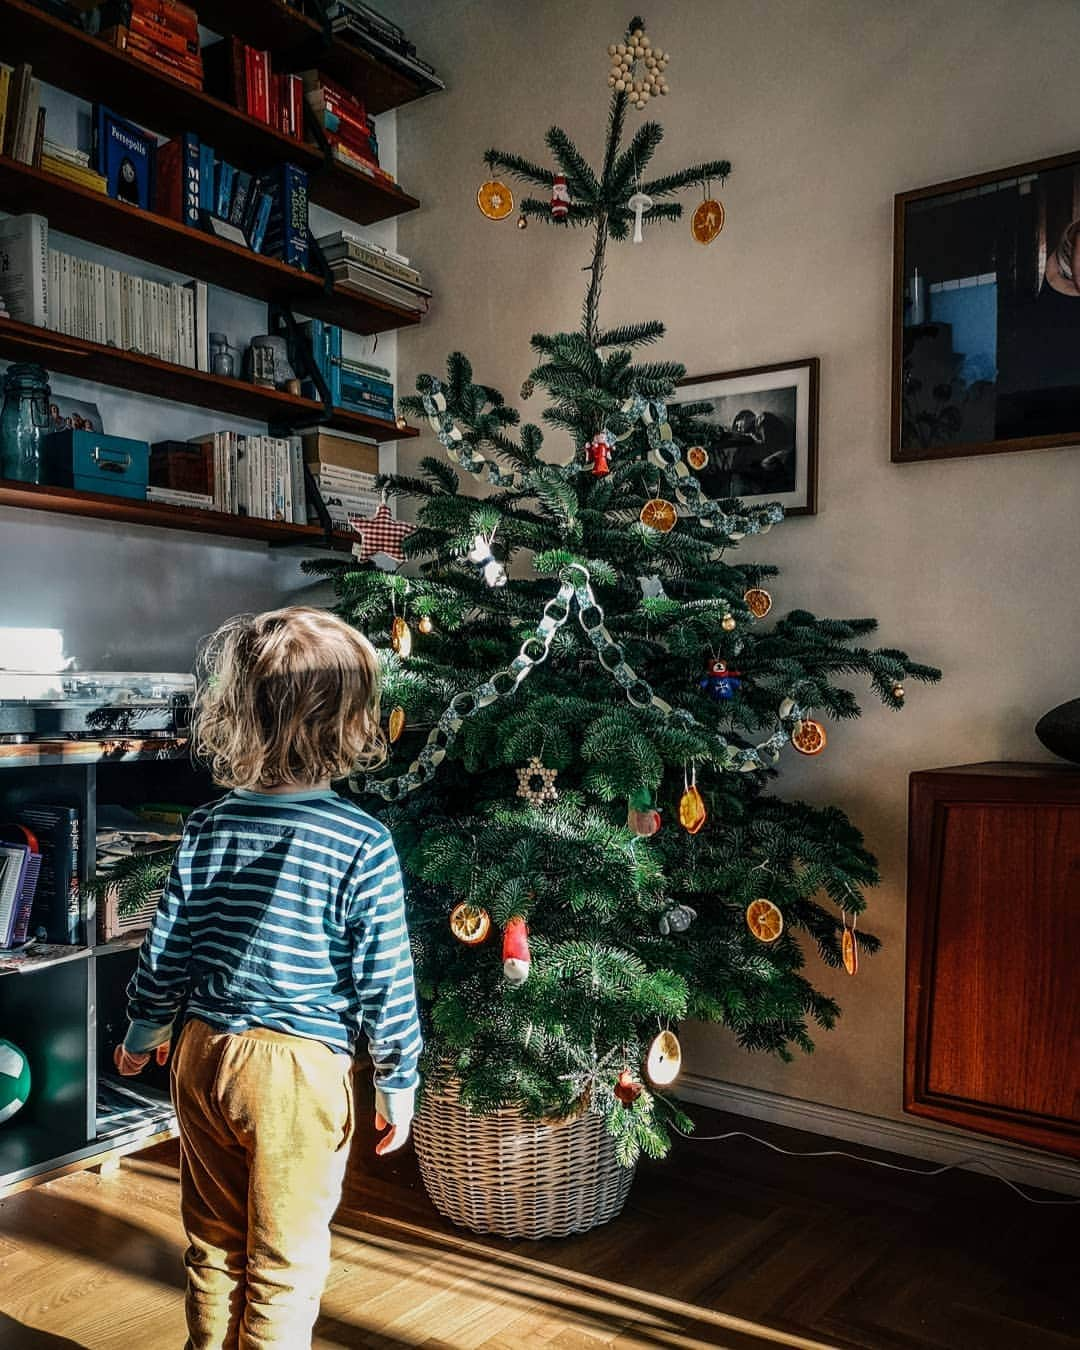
[(66, 162), (349, 131), (193, 184), (358, 386), (362, 26), (20, 864), (163, 34), (22, 118), (343, 470), (243, 76), (258, 476), (358, 264)]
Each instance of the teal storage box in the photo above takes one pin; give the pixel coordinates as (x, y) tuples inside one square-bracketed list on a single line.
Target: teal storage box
[(92, 462)]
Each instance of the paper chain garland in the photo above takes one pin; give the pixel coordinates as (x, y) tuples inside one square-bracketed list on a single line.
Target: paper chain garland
[(575, 589), (452, 440)]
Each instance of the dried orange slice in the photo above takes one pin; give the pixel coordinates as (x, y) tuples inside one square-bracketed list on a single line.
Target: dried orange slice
[(470, 924), (758, 601), (494, 199), (692, 813), (708, 221), (697, 456), (809, 737), (849, 951), (397, 724), (664, 1059), (764, 920), (659, 515)]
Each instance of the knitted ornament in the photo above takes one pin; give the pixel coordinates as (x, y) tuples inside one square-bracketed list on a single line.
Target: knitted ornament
[(719, 682), (516, 957)]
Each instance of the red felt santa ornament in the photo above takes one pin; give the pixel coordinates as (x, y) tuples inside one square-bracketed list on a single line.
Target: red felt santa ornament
[(516, 956), (560, 198)]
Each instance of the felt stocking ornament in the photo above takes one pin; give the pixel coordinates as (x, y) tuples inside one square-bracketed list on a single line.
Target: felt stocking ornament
[(516, 956)]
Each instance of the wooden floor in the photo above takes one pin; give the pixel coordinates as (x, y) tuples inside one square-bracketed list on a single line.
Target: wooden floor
[(724, 1245)]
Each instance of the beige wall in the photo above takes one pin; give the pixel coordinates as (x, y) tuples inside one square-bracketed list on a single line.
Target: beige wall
[(826, 108)]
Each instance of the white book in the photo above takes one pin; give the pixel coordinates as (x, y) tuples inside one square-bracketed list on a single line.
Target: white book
[(82, 298), (347, 480), (220, 498), (178, 497), (138, 316), (180, 305), (243, 477), (192, 333), (202, 334), (54, 290), (24, 268), (127, 326), (168, 323), (100, 305), (151, 318), (284, 458), (67, 272), (254, 449), (114, 326)]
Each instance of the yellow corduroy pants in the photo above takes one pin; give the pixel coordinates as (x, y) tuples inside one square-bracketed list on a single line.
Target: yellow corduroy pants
[(265, 1123)]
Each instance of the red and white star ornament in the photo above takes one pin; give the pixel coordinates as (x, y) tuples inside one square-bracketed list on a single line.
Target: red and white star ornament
[(379, 533)]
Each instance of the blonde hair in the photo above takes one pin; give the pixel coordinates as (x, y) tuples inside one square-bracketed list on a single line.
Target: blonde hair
[(290, 696)]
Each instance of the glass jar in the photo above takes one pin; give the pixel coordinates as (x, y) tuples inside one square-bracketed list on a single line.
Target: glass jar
[(222, 360), (24, 422)]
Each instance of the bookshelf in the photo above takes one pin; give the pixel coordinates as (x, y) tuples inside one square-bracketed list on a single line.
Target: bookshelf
[(73, 60), (157, 239)]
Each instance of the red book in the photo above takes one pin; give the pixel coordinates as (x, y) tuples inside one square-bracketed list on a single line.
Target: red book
[(167, 37), (262, 86), (360, 147), (279, 113), (168, 14), (338, 96), (169, 178), (346, 123), (296, 106), (182, 67), (251, 97)]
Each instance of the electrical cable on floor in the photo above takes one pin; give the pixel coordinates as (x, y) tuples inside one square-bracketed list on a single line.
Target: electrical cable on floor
[(874, 1162)]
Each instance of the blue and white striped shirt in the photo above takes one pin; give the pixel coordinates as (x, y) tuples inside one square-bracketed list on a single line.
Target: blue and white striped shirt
[(285, 911)]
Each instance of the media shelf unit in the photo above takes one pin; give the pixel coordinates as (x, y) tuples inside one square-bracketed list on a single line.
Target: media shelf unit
[(81, 64), (67, 1016)]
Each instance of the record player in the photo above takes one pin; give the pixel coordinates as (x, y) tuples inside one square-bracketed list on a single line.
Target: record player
[(93, 705)]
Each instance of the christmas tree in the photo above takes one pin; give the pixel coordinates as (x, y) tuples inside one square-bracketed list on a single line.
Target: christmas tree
[(588, 705)]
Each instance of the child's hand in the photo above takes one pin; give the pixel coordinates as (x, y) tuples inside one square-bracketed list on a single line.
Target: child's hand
[(128, 1064), (393, 1139)]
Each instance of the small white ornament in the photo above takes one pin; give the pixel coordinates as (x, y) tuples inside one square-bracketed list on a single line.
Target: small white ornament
[(639, 203), (787, 707), (536, 784), (493, 572), (652, 588)]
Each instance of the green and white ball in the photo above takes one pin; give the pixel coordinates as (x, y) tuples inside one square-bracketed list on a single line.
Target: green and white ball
[(14, 1080)]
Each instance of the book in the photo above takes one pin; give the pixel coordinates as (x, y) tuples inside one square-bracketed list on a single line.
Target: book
[(61, 168), (57, 907), (169, 194), (207, 185), (124, 155), (53, 307), (287, 230), (79, 159), (114, 328), (201, 335), (327, 448), (15, 863), (192, 169), (364, 281), (299, 485), (241, 190), (357, 251), (175, 497), (97, 275), (260, 219), (181, 467), (39, 139), (5, 84), (225, 176), (18, 88), (350, 236), (24, 268)]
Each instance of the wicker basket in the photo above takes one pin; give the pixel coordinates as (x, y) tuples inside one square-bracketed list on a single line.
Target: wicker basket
[(501, 1173)]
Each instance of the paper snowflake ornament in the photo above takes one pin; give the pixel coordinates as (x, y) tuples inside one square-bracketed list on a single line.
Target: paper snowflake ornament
[(537, 784), (379, 533)]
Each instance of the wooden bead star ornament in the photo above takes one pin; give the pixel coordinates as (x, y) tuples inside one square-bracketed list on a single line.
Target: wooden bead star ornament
[(536, 784), (637, 68)]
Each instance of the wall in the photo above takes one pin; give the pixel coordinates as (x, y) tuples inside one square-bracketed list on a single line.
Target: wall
[(136, 597), (826, 108)]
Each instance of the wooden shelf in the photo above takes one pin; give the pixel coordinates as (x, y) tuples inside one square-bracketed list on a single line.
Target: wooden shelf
[(73, 60), (178, 384), (298, 43), (79, 211)]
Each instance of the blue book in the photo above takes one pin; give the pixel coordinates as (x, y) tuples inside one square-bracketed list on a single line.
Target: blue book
[(226, 176), (287, 233), (368, 385), (125, 157), (240, 194), (335, 363), (207, 194), (191, 179), (259, 221)]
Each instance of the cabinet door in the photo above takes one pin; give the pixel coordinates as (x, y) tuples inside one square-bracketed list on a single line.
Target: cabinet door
[(993, 962)]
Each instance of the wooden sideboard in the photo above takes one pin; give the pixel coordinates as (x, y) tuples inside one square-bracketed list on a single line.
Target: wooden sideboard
[(993, 951)]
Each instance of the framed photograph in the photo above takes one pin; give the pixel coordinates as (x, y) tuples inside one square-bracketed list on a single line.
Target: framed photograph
[(71, 414), (759, 429), (986, 313)]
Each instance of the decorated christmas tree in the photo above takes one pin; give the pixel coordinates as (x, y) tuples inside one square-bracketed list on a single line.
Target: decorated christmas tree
[(589, 696)]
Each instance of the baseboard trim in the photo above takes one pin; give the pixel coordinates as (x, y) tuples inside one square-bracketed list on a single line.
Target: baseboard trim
[(1021, 1165)]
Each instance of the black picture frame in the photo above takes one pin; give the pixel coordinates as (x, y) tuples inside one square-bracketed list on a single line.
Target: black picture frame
[(985, 322)]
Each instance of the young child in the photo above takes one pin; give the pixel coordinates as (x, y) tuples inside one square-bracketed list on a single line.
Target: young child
[(282, 926)]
